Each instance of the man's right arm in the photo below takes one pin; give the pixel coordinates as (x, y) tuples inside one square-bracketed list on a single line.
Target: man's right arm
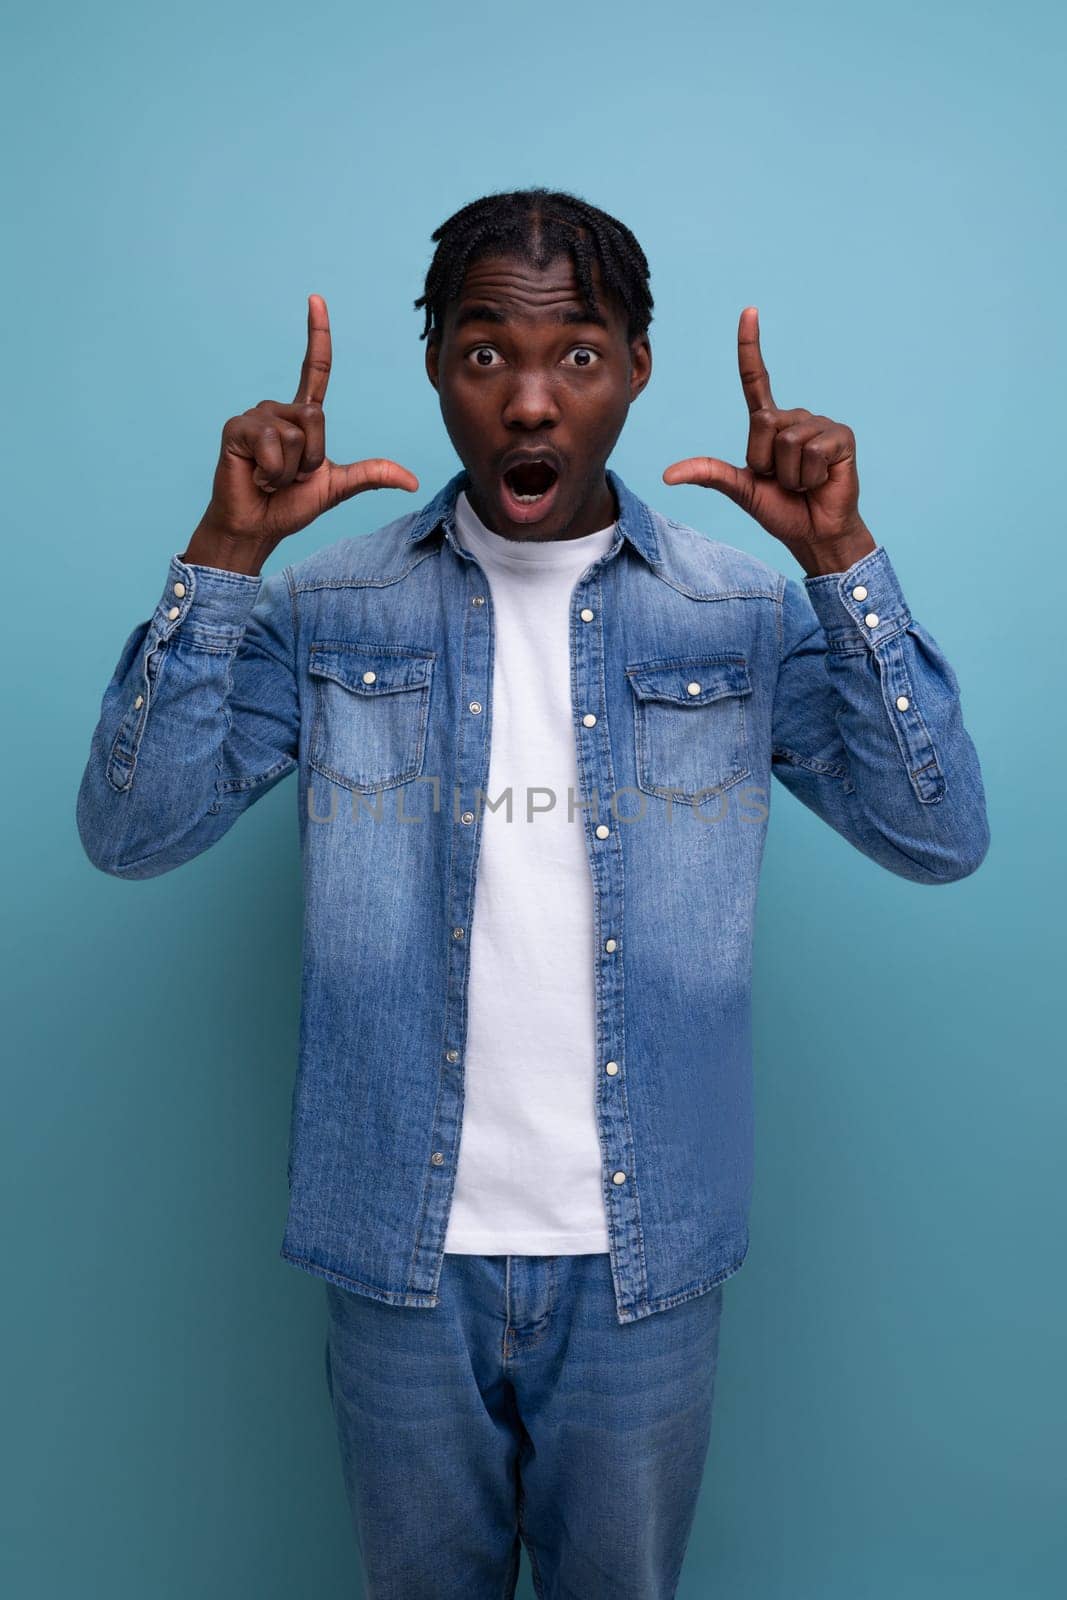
[(202, 715), (200, 718)]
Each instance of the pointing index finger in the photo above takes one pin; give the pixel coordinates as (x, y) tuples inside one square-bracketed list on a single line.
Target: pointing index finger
[(755, 379), (318, 358)]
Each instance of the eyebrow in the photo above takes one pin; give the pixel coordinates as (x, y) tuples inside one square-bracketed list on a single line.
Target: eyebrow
[(482, 313)]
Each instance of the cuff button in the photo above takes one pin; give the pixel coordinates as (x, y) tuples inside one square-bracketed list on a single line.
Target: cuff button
[(871, 619), (859, 592)]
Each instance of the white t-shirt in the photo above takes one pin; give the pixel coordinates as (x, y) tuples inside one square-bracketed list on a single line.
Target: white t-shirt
[(528, 1179)]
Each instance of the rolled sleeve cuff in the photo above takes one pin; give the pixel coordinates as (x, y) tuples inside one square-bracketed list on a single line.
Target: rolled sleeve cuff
[(861, 607), (205, 600)]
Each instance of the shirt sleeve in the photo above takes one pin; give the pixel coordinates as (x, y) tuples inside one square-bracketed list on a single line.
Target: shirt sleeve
[(868, 727), (200, 719)]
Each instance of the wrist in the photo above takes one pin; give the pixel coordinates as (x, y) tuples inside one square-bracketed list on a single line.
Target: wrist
[(836, 555), (215, 547)]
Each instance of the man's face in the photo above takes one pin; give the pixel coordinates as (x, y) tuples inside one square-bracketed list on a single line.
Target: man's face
[(520, 369)]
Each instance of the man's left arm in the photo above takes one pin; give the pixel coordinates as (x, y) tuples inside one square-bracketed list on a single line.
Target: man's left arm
[(867, 726)]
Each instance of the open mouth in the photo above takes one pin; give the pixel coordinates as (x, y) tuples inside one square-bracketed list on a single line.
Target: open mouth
[(530, 481), (528, 490)]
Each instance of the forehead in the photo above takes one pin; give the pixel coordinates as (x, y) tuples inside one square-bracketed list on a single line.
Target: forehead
[(501, 289)]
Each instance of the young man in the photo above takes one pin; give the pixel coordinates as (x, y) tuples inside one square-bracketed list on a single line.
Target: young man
[(521, 1147)]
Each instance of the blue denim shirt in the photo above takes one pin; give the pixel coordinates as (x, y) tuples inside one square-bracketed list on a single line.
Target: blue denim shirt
[(697, 672)]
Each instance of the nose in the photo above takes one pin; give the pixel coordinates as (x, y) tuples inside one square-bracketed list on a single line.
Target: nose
[(531, 403)]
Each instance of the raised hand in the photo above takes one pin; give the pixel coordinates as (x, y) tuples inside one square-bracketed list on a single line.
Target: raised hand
[(800, 482), (273, 475)]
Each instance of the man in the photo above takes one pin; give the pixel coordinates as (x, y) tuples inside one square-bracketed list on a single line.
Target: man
[(521, 1147)]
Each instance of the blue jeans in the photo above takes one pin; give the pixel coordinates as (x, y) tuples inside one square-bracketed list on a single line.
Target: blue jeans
[(520, 1408)]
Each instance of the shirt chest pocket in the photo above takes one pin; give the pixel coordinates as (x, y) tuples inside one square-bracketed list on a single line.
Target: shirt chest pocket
[(370, 711), (689, 724)]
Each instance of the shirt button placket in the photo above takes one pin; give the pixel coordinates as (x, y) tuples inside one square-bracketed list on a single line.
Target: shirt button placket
[(470, 762), (596, 764)]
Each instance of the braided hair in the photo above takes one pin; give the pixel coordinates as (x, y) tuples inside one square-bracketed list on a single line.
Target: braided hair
[(538, 225)]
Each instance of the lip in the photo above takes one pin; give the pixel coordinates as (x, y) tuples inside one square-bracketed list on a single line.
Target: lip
[(544, 452)]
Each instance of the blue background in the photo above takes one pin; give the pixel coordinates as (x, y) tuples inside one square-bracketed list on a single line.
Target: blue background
[(882, 183)]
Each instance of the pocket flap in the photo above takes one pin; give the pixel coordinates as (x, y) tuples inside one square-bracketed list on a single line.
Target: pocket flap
[(690, 682), (370, 669)]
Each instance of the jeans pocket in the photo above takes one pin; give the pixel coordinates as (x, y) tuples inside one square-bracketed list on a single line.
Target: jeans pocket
[(689, 724), (371, 708)]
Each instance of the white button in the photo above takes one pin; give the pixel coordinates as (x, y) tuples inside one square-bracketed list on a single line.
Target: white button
[(174, 612), (468, 816), (610, 945), (437, 1158), (871, 619), (478, 600), (612, 1068), (476, 706), (618, 1177), (692, 688), (859, 592), (602, 830), (589, 720), (451, 1055), (457, 933), (139, 702), (903, 702), (369, 677), (585, 614), (179, 589)]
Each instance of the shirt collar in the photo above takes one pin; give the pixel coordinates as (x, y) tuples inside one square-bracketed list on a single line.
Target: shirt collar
[(634, 520)]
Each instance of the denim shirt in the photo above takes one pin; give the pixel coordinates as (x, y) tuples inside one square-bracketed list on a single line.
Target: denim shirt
[(697, 672)]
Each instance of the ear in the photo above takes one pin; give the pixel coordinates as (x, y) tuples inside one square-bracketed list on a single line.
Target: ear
[(640, 364), (433, 352)]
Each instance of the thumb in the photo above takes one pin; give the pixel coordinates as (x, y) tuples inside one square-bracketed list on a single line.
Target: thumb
[(710, 473), (377, 473)]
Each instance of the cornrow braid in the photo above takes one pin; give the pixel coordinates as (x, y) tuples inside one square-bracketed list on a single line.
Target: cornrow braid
[(537, 225)]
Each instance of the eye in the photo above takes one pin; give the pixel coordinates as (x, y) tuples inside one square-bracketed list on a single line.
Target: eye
[(585, 355), (585, 350)]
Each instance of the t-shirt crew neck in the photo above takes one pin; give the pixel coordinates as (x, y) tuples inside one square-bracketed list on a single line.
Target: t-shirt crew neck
[(532, 552)]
